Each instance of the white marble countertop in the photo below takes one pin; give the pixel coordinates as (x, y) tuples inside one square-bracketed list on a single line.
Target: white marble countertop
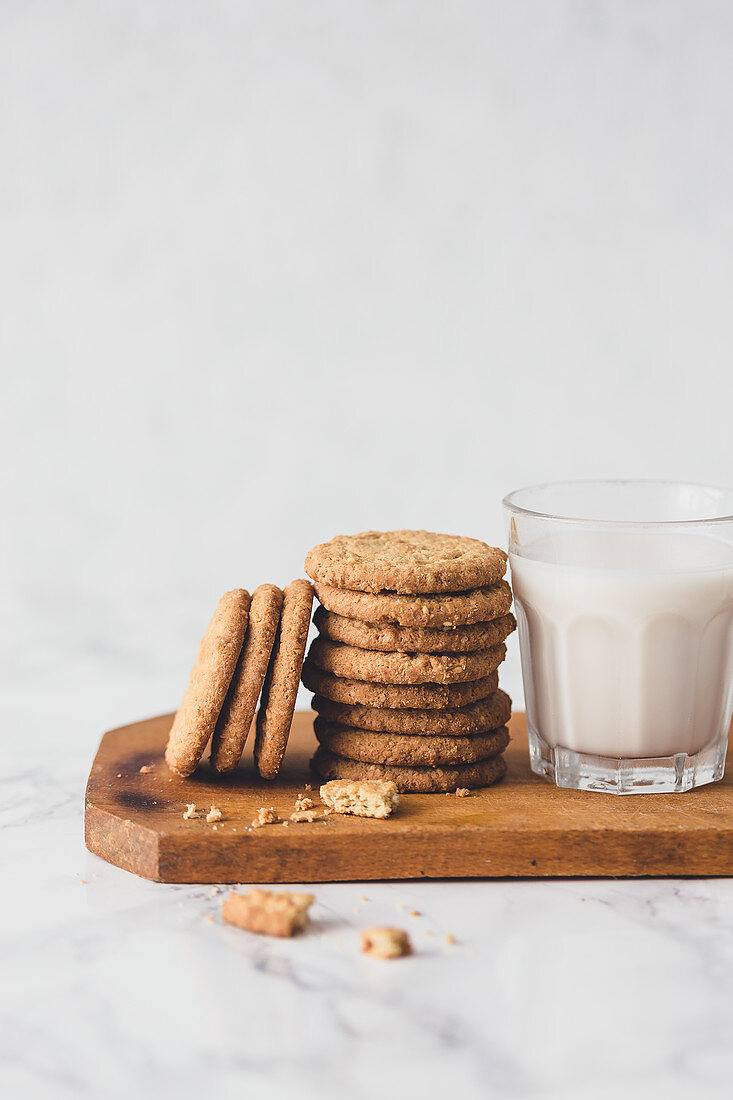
[(114, 986)]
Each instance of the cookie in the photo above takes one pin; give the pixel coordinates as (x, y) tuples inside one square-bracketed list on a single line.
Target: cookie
[(209, 682), (403, 668), (416, 779), (441, 612), (235, 720), (405, 639), (405, 562), (345, 690), (405, 749), (479, 717), (283, 677)]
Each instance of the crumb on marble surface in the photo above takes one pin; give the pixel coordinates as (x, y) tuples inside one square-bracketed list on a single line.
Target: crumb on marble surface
[(267, 912), (385, 943)]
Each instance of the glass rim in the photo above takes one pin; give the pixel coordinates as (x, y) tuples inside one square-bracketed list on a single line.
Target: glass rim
[(509, 503)]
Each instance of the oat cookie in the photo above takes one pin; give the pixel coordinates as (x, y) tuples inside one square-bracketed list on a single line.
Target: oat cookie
[(283, 677), (370, 798), (209, 682), (404, 668), (235, 720), (415, 779), (343, 689), (406, 562), (403, 749), (405, 639), (479, 717), (440, 612)]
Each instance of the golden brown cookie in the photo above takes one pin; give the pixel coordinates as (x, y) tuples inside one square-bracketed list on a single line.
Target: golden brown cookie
[(403, 668), (479, 717), (209, 682), (389, 638), (444, 611), (405, 749), (235, 720), (405, 562), (417, 779), (345, 690), (283, 677)]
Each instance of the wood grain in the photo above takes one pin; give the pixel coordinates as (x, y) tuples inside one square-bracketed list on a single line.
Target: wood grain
[(522, 827)]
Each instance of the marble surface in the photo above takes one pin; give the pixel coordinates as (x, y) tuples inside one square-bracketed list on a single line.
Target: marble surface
[(117, 987)]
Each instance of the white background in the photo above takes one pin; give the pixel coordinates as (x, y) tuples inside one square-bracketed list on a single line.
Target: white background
[(272, 272), (275, 271)]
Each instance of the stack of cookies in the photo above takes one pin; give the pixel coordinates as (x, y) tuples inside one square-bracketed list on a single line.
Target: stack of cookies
[(412, 628), (252, 651)]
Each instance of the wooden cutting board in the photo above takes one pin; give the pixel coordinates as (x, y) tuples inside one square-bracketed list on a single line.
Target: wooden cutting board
[(522, 827)]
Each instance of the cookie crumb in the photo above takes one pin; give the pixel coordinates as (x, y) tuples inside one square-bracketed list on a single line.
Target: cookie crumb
[(366, 899), (119, 775), (363, 798), (266, 815), (191, 812), (145, 769), (414, 913), (307, 787), (308, 815), (268, 913), (214, 814), (303, 803), (213, 891), (385, 943), (463, 792), (449, 938)]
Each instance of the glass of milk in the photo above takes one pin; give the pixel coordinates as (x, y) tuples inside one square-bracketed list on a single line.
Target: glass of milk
[(624, 599)]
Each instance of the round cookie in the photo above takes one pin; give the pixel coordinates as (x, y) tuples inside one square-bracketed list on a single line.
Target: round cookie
[(403, 668), (479, 717), (416, 779), (209, 682), (389, 638), (342, 689), (280, 689), (441, 612), (407, 750), (235, 720), (405, 562)]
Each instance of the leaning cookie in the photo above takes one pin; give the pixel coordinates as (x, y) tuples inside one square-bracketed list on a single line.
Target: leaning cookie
[(479, 717), (343, 689), (209, 682), (233, 724), (437, 611), (280, 690), (408, 750), (405, 562), (405, 639), (404, 668), (416, 779)]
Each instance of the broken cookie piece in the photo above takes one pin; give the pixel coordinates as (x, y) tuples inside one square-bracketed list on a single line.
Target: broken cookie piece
[(302, 802), (308, 815), (266, 815), (214, 814), (268, 913), (361, 797), (385, 943)]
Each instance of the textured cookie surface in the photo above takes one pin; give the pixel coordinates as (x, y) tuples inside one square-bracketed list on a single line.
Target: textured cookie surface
[(277, 704), (209, 682), (236, 716), (436, 611), (390, 638), (406, 562), (404, 749), (479, 717), (416, 779), (346, 690), (404, 668)]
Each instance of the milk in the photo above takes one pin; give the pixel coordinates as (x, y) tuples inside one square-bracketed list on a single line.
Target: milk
[(626, 640)]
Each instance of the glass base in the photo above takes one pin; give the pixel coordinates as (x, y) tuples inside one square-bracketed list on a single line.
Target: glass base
[(655, 775)]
